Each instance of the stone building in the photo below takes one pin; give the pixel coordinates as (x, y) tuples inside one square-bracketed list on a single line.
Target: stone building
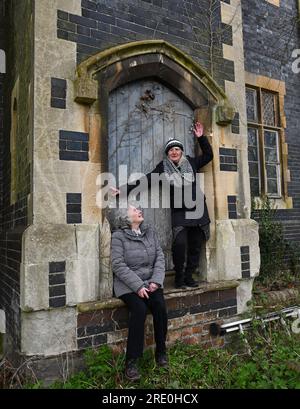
[(75, 77)]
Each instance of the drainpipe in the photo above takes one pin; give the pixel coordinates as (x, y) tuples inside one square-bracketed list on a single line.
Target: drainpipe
[(219, 330), (2, 332)]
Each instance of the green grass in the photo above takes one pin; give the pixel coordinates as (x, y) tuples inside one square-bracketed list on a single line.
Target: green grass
[(274, 362)]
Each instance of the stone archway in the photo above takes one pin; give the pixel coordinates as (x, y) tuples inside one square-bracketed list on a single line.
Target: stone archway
[(101, 74)]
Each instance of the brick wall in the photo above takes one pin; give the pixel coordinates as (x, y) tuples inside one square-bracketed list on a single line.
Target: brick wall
[(270, 35), (183, 24), (189, 316)]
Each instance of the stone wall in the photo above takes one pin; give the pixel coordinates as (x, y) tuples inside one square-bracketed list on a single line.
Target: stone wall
[(56, 331), (16, 153), (189, 315), (61, 248), (195, 27)]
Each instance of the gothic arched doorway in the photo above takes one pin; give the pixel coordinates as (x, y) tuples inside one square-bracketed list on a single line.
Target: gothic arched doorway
[(142, 116)]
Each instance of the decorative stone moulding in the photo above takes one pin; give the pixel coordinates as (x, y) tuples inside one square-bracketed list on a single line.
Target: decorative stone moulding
[(86, 86)]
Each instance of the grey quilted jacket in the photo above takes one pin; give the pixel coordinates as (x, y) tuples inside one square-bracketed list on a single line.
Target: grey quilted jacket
[(136, 260)]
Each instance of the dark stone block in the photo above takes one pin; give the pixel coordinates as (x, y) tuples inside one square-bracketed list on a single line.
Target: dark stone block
[(73, 136), (58, 83), (57, 267), (245, 266), (231, 199), (177, 313), (62, 15), (73, 145), (230, 160), (235, 129), (62, 145), (245, 250), (228, 168), (62, 34), (57, 92), (99, 339), (245, 257), (227, 152), (73, 208), (227, 294), (58, 103), (98, 329), (245, 273), (81, 332), (199, 308), (57, 302), (85, 146), (57, 290), (84, 342), (228, 303), (73, 198), (89, 5), (209, 297), (73, 155), (66, 25), (83, 21), (232, 207), (84, 30), (73, 218), (121, 324), (228, 312), (55, 279)]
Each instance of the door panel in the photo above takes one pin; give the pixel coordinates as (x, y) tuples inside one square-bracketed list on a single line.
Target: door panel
[(140, 123)]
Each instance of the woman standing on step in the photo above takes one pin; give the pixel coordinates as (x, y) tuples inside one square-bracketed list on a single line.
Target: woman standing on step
[(188, 233), (139, 270)]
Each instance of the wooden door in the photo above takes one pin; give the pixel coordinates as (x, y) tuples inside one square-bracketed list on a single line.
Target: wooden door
[(143, 115)]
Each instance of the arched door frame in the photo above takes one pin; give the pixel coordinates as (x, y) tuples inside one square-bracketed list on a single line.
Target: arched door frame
[(105, 71)]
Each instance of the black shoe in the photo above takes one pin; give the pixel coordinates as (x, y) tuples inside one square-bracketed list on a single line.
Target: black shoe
[(131, 370), (161, 360), (191, 283), (180, 285)]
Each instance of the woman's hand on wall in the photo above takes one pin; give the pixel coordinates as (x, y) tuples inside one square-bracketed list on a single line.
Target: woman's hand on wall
[(198, 129)]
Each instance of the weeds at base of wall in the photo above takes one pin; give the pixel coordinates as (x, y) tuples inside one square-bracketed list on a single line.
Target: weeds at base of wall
[(260, 358), (280, 259)]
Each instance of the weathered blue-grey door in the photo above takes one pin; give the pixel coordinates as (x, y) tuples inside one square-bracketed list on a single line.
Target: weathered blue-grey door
[(143, 115)]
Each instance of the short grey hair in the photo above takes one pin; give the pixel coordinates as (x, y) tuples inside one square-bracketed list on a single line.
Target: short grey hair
[(118, 217)]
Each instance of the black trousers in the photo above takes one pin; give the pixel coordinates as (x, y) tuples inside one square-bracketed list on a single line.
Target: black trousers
[(186, 248), (138, 307)]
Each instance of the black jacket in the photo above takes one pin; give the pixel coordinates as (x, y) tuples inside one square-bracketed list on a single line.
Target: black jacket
[(178, 215)]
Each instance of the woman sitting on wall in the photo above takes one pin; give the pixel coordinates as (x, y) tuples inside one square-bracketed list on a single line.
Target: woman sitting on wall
[(139, 270)]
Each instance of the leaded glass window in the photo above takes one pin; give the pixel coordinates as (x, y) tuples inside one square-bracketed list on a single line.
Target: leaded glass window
[(253, 160), (269, 108), (251, 102), (263, 142)]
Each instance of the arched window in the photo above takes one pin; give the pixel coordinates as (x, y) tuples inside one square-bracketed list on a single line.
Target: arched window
[(2, 62)]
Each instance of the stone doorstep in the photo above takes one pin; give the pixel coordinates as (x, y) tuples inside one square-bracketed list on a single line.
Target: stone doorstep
[(114, 302)]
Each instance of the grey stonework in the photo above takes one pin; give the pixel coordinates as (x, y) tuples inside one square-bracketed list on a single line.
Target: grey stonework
[(14, 22)]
